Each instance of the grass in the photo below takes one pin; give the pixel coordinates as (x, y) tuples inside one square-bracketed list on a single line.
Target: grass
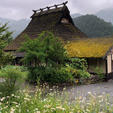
[(54, 102)]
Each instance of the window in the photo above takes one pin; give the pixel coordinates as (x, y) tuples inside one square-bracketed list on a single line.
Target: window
[(64, 21)]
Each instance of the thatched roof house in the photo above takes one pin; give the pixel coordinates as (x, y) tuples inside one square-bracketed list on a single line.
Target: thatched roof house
[(56, 19)]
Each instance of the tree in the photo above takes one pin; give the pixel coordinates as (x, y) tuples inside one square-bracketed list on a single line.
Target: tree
[(5, 39), (44, 57), (47, 60), (46, 50), (5, 36)]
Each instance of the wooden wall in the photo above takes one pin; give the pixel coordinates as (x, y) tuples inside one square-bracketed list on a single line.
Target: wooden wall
[(109, 63), (94, 63)]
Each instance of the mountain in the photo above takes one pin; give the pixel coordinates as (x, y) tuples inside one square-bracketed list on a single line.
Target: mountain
[(75, 15), (15, 26), (106, 14), (89, 24), (93, 26)]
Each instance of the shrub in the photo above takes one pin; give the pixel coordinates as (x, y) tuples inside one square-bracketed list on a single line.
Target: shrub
[(82, 74), (64, 74), (78, 63), (50, 75), (35, 73), (99, 72), (12, 77), (78, 68), (58, 75), (44, 58)]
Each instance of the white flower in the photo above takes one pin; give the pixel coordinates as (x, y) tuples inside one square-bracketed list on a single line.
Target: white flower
[(14, 102), (60, 107), (2, 98), (89, 93), (12, 110), (27, 99)]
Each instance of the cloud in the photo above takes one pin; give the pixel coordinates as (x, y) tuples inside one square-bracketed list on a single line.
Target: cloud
[(91, 6), (18, 9)]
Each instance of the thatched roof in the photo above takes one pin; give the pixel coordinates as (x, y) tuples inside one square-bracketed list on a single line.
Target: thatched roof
[(90, 47), (55, 19)]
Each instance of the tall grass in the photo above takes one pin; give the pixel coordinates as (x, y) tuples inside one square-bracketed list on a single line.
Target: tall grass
[(23, 102)]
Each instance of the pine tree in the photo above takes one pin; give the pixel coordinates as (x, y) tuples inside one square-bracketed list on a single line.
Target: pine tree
[(5, 39), (46, 50)]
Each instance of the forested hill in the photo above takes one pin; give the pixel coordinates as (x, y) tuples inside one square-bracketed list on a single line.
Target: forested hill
[(93, 26), (76, 15), (89, 24)]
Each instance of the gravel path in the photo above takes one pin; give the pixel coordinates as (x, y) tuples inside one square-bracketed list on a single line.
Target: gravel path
[(99, 89), (82, 90)]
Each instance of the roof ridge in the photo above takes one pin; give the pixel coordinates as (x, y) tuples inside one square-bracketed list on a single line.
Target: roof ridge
[(50, 7)]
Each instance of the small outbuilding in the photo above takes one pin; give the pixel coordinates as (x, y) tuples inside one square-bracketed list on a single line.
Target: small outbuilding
[(97, 51)]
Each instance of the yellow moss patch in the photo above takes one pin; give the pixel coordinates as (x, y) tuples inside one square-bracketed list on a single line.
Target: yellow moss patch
[(96, 47)]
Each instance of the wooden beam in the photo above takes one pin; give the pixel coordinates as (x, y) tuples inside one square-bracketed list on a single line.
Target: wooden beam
[(55, 6), (65, 3), (48, 8), (41, 9), (34, 11)]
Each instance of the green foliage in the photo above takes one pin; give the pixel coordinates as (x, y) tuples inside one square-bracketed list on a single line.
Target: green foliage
[(99, 72), (82, 74), (46, 50), (52, 103), (50, 75), (11, 77), (5, 59), (78, 68), (47, 60), (5, 38), (44, 58), (78, 63), (93, 26)]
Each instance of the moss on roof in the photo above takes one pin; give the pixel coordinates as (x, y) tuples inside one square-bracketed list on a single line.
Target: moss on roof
[(89, 48)]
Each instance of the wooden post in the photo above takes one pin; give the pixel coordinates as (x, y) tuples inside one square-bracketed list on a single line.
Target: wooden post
[(65, 3), (41, 9), (34, 11), (55, 6), (48, 8)]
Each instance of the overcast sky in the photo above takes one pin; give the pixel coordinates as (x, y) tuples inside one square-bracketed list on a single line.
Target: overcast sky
[(19, 9)]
